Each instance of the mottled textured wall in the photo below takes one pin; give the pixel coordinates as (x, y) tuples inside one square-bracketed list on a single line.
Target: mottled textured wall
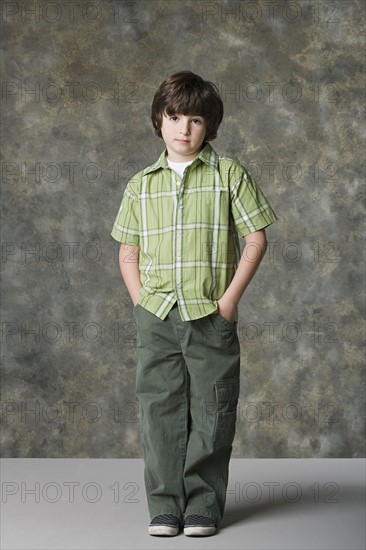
[(78, 85)]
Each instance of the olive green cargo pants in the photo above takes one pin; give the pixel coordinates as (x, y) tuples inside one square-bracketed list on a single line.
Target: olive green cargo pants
[(187, 387)]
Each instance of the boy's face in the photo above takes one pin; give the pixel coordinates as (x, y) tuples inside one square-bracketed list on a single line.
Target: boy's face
[(183, 136)]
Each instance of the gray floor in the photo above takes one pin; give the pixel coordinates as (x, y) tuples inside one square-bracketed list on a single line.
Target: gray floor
[(101, 504)]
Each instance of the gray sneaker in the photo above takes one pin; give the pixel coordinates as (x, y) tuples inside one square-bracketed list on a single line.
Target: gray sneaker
[(199, 526), (164, 524)]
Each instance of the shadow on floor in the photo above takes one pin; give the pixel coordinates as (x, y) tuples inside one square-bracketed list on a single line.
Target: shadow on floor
[(237, 512)]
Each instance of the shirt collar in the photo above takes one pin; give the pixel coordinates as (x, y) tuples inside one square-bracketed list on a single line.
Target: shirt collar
[(207, 154)]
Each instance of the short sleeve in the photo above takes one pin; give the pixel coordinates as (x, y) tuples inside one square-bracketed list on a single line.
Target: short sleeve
[(250, 209), (126, 225)]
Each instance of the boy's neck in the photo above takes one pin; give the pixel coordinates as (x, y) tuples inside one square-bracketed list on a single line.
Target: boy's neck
[(181, 161), (186, 160)]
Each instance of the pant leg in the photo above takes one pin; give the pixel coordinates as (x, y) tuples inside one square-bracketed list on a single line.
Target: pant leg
[(211, 351), (161, 390)]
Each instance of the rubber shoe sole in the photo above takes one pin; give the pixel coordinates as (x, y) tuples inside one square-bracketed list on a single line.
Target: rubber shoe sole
[(163, 530), (199, 531)]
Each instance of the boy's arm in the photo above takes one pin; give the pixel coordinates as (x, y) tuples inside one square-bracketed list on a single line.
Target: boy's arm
[(253, 252), (129, 266)]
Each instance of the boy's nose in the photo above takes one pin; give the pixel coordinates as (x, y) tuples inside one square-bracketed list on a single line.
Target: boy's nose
[(184, 128)]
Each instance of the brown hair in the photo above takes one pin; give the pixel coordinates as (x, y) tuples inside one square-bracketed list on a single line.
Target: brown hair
[(188, 94)]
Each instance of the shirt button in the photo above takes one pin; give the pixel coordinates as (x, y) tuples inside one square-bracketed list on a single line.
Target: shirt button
[(179, 285), (181, 206)]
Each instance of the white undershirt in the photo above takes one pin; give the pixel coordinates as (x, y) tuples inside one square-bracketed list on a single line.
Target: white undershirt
[(179, 166)]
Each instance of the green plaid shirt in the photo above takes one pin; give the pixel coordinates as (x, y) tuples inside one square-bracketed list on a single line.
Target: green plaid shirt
[(187, 230)]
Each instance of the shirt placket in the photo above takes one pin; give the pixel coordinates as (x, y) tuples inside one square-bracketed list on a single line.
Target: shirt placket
[(178, 185)]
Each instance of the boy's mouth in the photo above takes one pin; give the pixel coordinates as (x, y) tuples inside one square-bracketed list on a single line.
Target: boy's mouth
[(183, 140)]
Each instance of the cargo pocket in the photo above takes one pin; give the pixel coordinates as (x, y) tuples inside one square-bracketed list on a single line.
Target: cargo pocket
[(142, 431), (141, 419), (227, 395)]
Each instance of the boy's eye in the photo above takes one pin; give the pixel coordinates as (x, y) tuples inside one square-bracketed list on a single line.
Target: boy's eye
[(195, 120)]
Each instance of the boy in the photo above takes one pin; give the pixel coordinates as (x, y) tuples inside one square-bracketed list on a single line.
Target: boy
[(178, 223)]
